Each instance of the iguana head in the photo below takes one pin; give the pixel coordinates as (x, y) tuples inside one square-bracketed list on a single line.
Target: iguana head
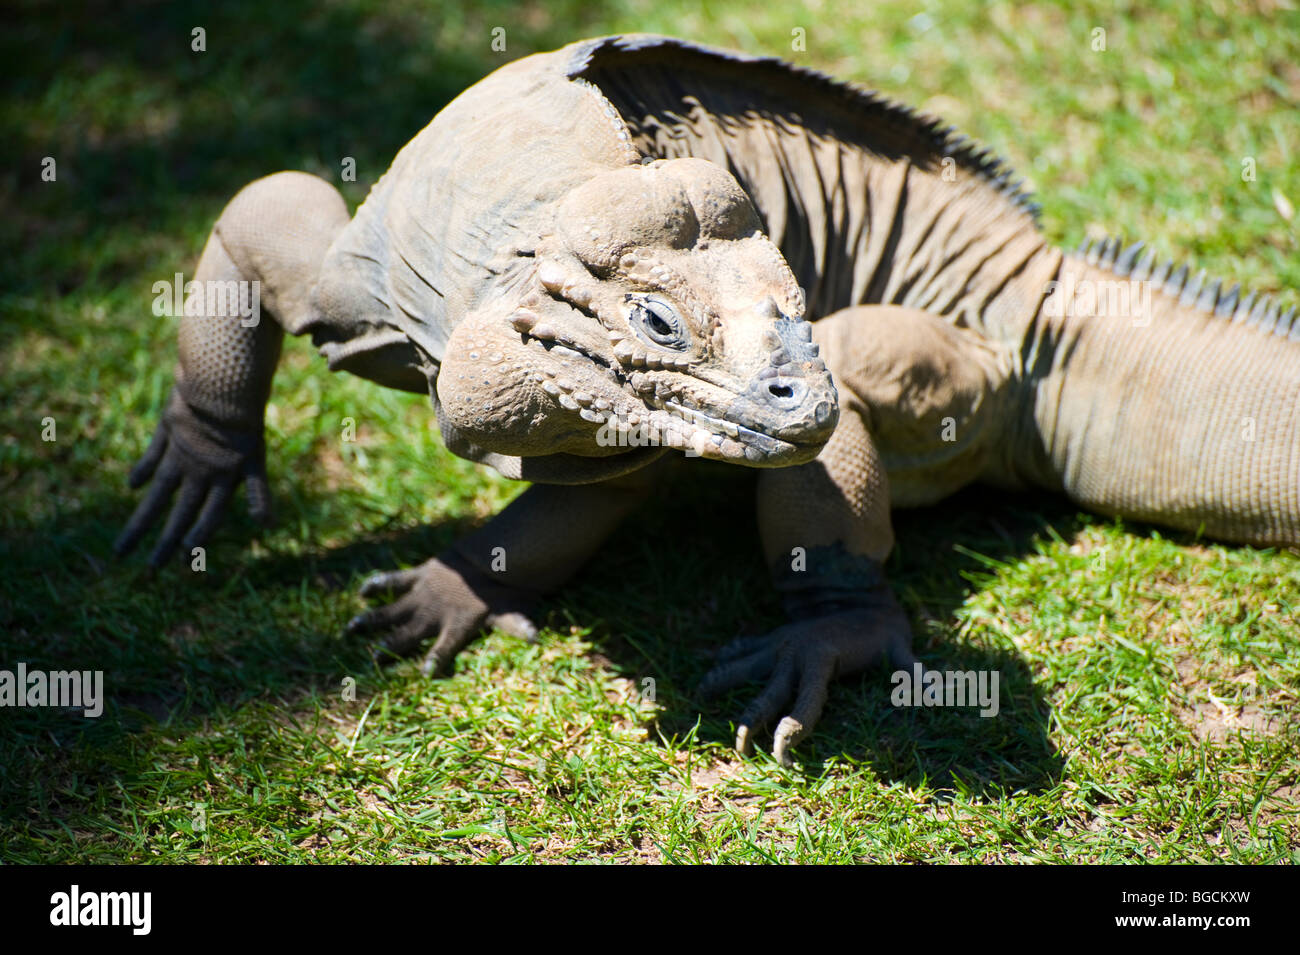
[(656, 311)]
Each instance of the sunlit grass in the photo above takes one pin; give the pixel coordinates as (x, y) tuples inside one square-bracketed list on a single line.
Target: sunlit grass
[(1148, 681)]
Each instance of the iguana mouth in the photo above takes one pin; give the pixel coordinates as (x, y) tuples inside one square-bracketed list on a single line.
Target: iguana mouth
[(644, 406), (753, 446)]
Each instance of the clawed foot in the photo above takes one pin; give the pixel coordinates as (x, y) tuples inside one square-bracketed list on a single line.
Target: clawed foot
[(799, 661), (443, 598), (199, 462)]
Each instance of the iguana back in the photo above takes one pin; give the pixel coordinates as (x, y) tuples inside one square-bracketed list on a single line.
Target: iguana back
[(1137, 391)]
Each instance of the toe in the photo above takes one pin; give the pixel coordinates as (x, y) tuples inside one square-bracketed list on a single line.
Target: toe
[(394, 581), (769, 703)]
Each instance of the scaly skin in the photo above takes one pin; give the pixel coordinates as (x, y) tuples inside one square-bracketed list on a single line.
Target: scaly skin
[(1180, 407), (627, 232)]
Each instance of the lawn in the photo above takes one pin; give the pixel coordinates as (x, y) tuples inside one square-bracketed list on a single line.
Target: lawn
[(1149, 680)]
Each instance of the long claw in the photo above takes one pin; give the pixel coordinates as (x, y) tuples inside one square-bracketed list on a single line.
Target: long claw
[(814, 685), (435, 664), (514, 623), (206, 460), (744, 740), (788, 733), (456, 635), (800, 660), (447, 598)]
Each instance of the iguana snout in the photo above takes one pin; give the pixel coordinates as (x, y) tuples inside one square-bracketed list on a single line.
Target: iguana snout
[(658, 313)]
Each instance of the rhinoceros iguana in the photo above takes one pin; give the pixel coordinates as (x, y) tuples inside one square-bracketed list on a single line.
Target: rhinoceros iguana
[(631, 233)]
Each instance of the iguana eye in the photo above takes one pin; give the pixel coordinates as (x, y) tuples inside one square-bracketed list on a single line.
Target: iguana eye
[(660, 322)]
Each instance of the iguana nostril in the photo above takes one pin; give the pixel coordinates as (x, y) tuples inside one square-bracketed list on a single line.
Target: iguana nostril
[(786, 394)]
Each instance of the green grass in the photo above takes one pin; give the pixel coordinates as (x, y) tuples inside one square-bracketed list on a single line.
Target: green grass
[(1148, 680)]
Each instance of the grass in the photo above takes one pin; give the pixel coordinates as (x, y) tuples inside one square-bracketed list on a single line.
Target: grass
[(1147, 679)]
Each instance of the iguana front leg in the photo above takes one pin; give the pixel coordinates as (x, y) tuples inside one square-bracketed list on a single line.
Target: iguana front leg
[(272, 237), (919, 418), (495, 576), (826, 531)]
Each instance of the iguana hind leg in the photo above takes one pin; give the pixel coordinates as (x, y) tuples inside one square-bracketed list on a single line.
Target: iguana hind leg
[(266, 249), (914, 391)]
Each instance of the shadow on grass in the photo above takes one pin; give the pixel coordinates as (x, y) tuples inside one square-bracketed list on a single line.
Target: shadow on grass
[(675, 603), (174, 646), (678, 580), (149, 135)]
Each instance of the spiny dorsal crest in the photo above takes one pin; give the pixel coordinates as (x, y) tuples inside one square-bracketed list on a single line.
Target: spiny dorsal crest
[(1137, 262)]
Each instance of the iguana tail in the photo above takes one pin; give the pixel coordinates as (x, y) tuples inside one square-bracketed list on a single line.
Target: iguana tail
[(1166, 400)]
